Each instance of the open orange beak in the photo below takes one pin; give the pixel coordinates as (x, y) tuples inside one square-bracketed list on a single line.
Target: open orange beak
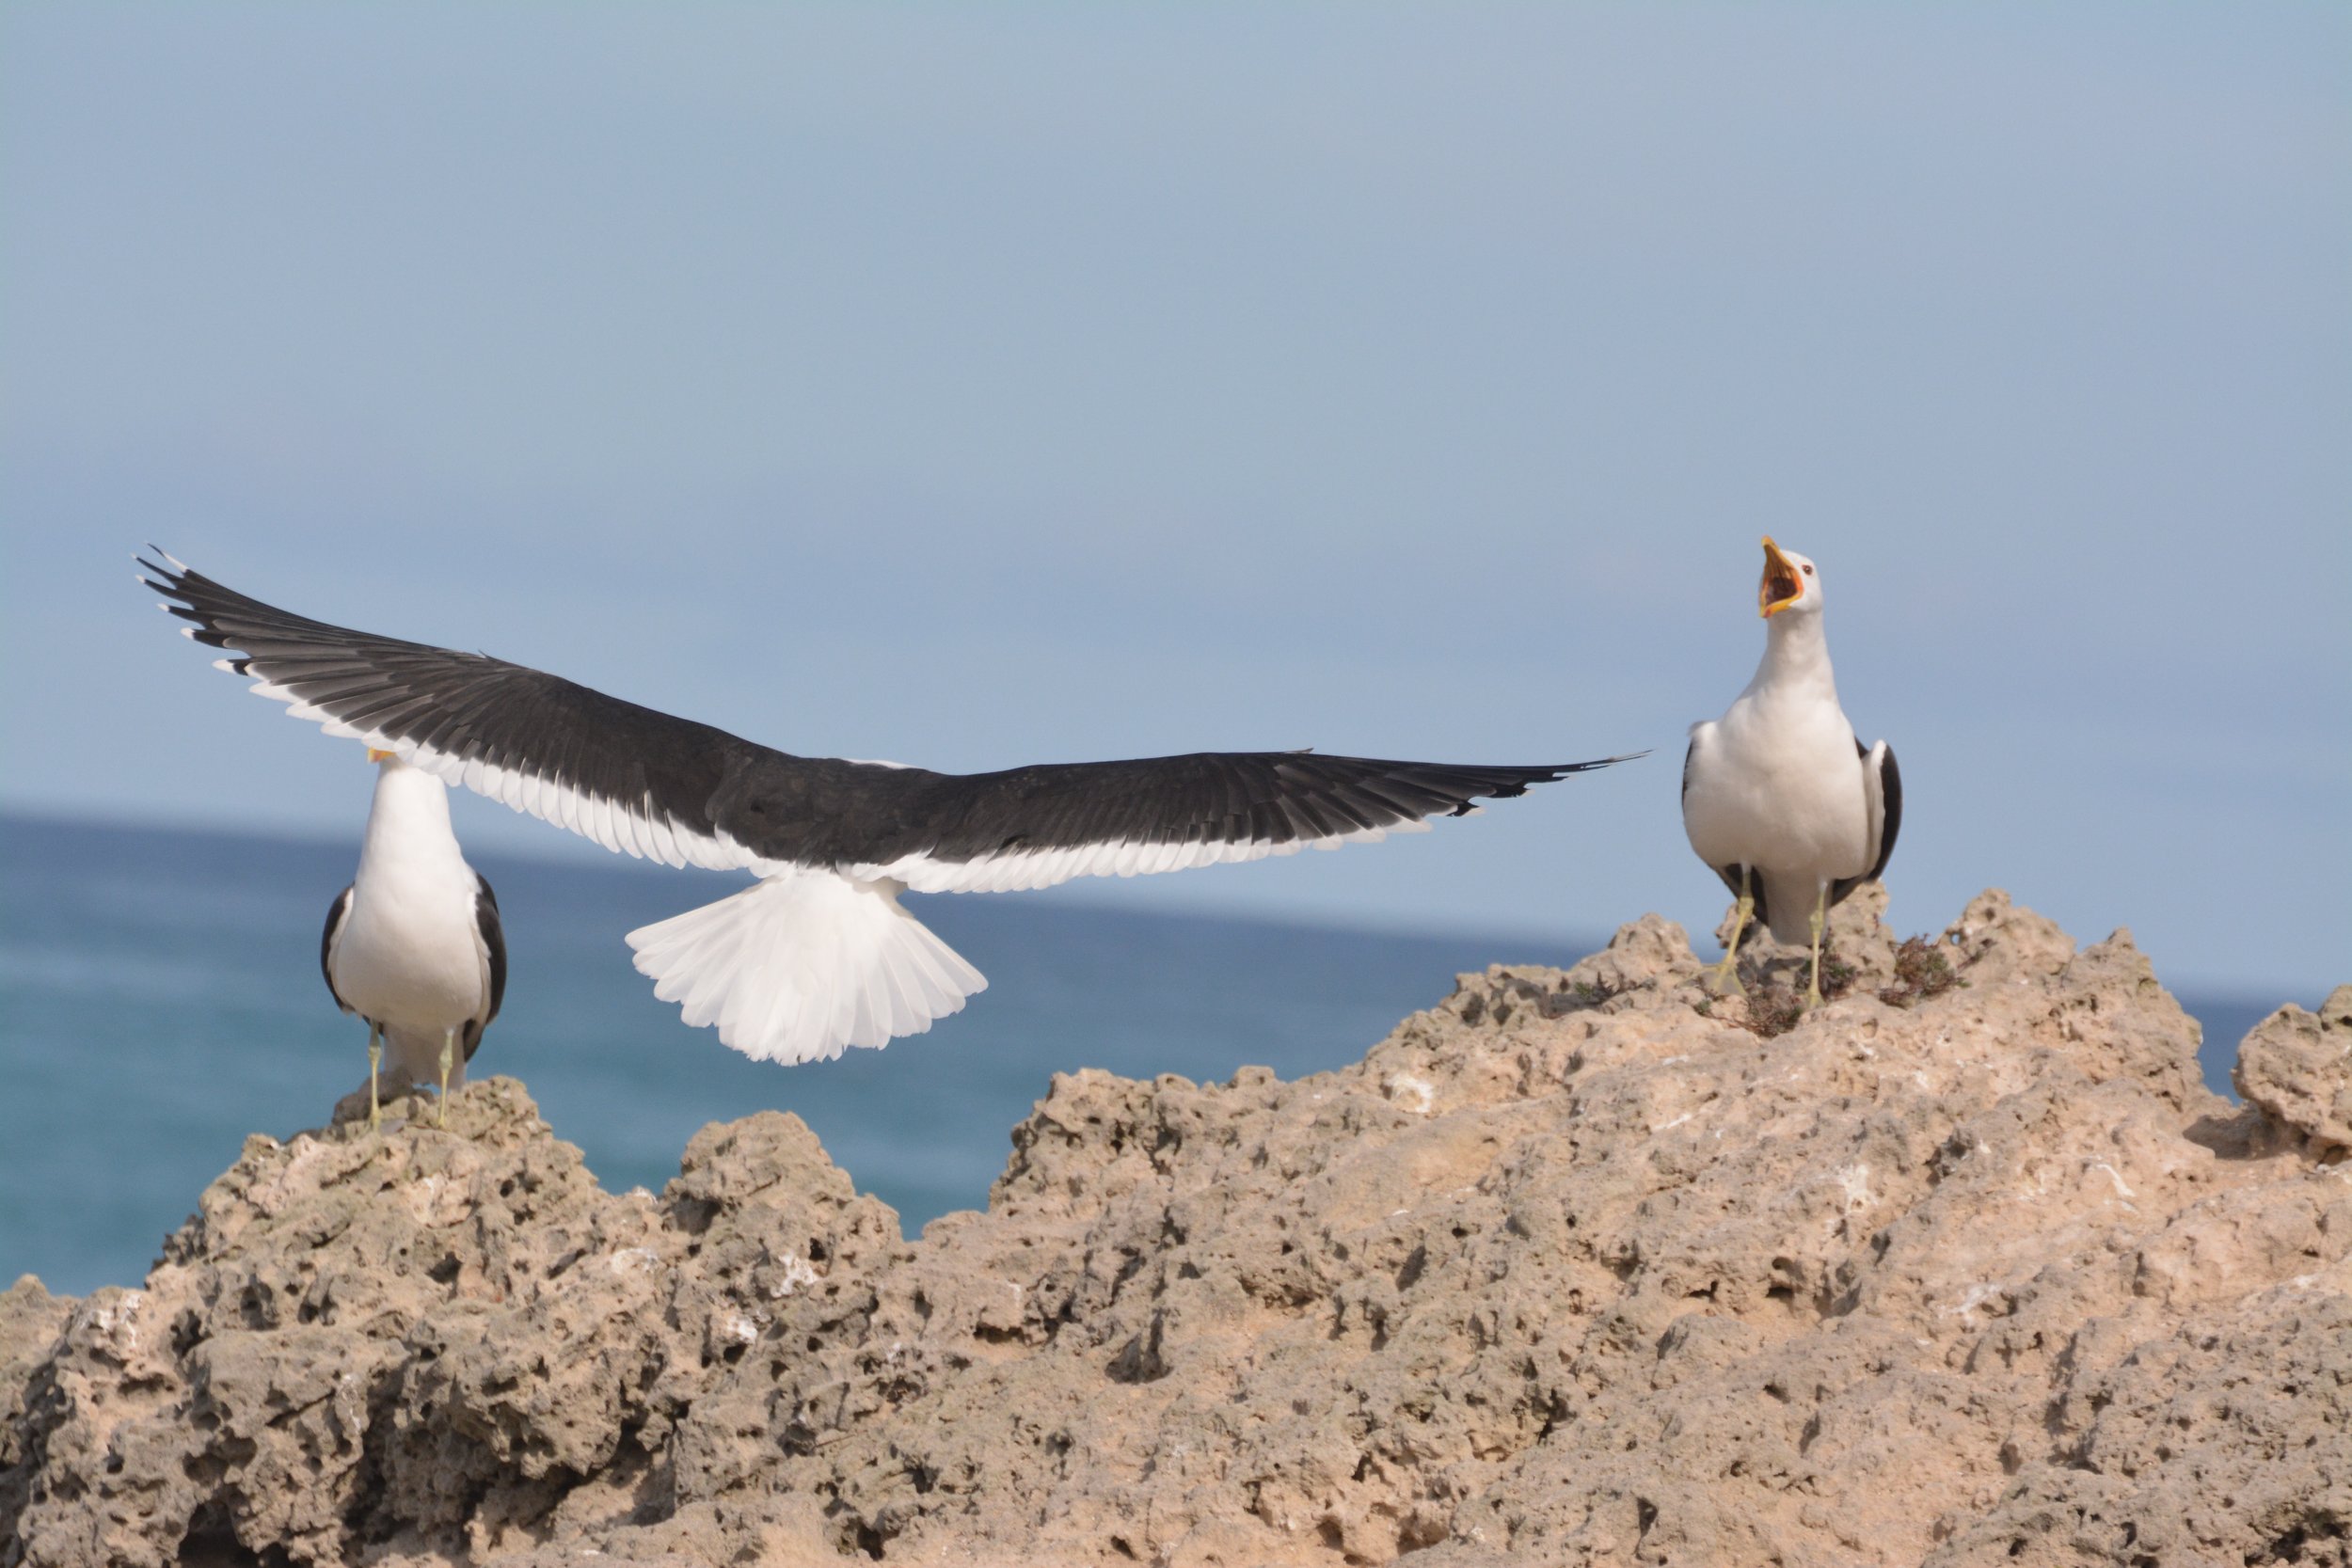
[(1780, 588), (374, 755)]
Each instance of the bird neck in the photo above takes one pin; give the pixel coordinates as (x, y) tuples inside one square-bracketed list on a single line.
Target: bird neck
[(1796, 657), (408, 827)]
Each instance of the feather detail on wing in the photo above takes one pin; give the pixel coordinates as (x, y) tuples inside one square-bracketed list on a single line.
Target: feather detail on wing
[(649, 783)]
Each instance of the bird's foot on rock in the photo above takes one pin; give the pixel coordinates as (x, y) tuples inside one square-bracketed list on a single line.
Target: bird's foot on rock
[(373, 1110), (449, 1059), (445, 1106), (1724, 979)]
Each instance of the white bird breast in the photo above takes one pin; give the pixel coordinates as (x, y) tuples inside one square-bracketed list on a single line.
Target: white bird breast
[(410, 952), (1784, 796), (408, 965)]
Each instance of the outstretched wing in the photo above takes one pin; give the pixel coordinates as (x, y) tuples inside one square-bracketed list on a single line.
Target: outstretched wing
[(626, 776), (648, 783), (1032, 827)]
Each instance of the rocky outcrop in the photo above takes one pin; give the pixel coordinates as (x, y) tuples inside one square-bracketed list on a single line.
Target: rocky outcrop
[(2297, 1068), (1965, 1267)]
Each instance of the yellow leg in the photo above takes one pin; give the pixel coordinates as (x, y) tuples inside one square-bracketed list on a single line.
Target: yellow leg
[(375, 1060), (449, 1052), (1724, 978), (1821, 923)]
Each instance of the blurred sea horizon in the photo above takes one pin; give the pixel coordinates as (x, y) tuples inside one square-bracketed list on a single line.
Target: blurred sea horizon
[(160, 999)]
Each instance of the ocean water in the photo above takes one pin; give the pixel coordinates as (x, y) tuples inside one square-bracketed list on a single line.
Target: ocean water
[(160, 999)]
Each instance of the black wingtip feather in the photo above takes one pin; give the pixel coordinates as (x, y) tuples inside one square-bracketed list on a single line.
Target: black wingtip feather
[(175, 586), (700, 780)]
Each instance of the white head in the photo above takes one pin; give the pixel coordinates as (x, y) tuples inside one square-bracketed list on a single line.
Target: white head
[(408, 800), (396, 775), (1791, 584)]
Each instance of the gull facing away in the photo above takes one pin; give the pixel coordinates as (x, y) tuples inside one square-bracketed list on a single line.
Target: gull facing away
[(414, 945), (816, 955), (1778, 795)]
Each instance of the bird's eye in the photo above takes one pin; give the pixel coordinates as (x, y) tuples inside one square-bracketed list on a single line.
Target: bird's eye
[(1808, 571)]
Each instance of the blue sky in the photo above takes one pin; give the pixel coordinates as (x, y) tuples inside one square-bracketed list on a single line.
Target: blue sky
[(974, 387)]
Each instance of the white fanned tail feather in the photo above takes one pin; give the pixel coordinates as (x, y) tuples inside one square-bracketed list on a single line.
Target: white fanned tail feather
[(802, 965)]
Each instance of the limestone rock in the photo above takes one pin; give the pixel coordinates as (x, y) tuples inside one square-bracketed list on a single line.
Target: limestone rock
[(1575, 1267), (2297, 1067)]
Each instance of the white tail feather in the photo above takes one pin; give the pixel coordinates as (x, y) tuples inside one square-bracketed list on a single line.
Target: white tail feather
[(803, 964)]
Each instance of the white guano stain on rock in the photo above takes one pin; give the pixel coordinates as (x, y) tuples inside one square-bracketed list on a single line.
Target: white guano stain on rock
[(2113, 1175), (1416, 1095), (1977, 1296), (791, 1274)]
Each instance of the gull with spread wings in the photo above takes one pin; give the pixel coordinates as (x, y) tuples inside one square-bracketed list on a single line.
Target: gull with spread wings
[(816, 955)]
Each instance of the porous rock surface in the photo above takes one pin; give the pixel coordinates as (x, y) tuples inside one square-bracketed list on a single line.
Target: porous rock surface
[(1573, 1268), (2297, 1067)]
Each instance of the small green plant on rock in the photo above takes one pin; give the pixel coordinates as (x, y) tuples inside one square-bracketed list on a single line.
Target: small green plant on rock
[(1772, 1009), (1921, 971), (1837, 977)]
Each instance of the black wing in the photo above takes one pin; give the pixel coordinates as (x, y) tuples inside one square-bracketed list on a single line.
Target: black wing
[(336, 913), (642, 781), (1890, 822), (629, 776), (485, 916), (1891, 811), (1029, 827)]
